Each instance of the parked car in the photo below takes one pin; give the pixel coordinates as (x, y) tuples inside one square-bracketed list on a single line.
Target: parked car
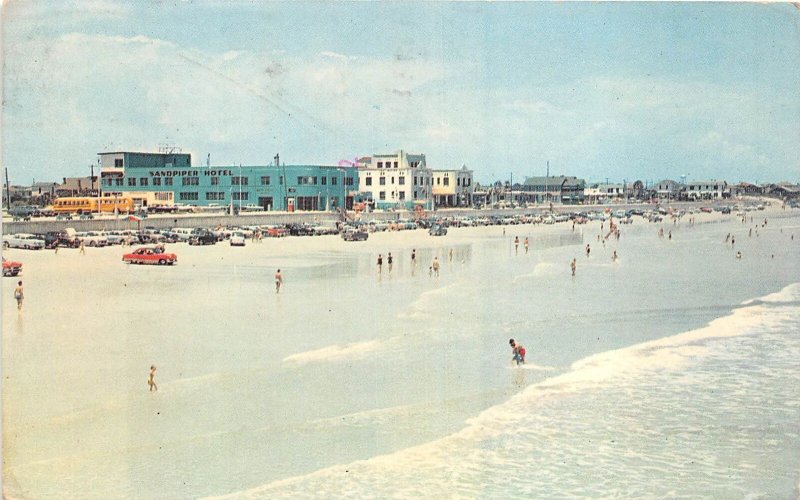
[(11, 268), (150, 255), (93, 239), (438, 230), (23, 240), (237, 239), (203, 238), (354, 234)]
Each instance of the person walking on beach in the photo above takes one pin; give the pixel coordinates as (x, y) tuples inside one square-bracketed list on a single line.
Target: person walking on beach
[(19, 294), (413, 257), (588, 249), (152, 380), (518, 350), (82, 248), (526, 245), (574, 265), (389, 261), (614, 256), (516, 244), (278, 281), (450, 255), (435, 266), (380, 263)]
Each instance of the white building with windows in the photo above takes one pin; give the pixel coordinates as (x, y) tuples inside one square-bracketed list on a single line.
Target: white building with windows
[(706, 190), (452, 188), (397, 180)]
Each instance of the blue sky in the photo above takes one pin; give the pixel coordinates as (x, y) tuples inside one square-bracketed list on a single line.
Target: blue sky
[(601, 90)]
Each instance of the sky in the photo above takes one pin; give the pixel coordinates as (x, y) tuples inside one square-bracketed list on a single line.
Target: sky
[(617, 91)]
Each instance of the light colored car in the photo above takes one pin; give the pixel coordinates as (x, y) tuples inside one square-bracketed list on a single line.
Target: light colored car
[(93, 238), (237, 239), (23, 240)]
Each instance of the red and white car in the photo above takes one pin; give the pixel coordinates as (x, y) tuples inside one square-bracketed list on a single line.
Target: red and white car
[(11, 268), (150, 255)]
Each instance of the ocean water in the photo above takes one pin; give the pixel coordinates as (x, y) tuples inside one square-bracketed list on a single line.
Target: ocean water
[(672, 372)]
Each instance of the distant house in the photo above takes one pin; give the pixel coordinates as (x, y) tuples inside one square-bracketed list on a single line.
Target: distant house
[(783, 190), (746, 189), (706, 190), (668, 189), (78, 186), (601, 193), (555, 189)]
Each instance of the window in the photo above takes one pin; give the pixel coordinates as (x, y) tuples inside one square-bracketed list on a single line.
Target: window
[(301, 181), (334, 181), (401, 180), (314, 180), (392, 179), (131, 181), (458, 181), (383, 181), (191, 181), (324, 181), (415, 180), (280, 180), (240, 196), (143, 181), (118, 163), (369, 181), (382, 195), (446, 181), (188, 196), (265, 180), (237, 180), (265, 201), (215, 181), (168, 181), (415, 194), (349, 181), (156, 181), (402, 195), (215, 196), (118, 182), (438, 180), (395, 164), (380, 164)]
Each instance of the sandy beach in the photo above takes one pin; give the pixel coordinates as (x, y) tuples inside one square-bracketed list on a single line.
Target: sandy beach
[(347, 363)]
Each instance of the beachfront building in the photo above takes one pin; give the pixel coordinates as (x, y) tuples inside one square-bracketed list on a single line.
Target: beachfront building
[(553, 189), (746, 189), (604, 193), (167, 178), (396, 180), (667, 189), (452, 188), (706, 190)]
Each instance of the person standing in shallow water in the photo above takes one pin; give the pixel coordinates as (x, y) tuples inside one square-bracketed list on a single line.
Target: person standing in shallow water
[(380, 263), (389, 261), (574, 266), (278, 281), (518, 350), (435, 266), (516, 244), (152, 380), (588, 249)]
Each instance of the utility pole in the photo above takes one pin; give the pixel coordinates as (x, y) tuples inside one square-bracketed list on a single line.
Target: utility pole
[(547, 183), (8, 193)]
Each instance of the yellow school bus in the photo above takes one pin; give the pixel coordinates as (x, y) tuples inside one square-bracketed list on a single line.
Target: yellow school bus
[(90, 204)]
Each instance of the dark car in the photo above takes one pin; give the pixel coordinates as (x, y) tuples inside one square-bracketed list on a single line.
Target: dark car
[(300, 230), (203, 238), (354, 234), (438, 230)]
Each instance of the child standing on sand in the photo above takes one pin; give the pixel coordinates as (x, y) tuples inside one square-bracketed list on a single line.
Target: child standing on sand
[(152, 380), (19, 295)]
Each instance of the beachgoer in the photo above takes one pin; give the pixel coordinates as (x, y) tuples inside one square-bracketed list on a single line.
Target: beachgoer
[(588, 250), (413, 256), (573, 265), (278, 281), (739, 255), (526, 244), (450, 255), (19, 294), (380, 262), (435, 266), (389, 261), (670, 235), (152, 380), (518, 350), (614, 256), (82, 248), (516, 244)]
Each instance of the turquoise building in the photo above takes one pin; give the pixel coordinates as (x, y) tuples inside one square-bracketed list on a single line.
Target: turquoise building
[(169, 178)]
